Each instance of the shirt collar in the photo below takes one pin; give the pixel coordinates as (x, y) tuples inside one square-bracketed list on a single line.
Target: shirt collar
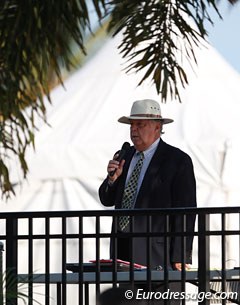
[(151, 149)]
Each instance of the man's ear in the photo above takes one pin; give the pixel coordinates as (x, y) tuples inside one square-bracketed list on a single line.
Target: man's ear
[(159, 127)]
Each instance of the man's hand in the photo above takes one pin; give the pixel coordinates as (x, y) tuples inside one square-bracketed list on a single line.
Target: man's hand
[(115, 165), (178, 266)]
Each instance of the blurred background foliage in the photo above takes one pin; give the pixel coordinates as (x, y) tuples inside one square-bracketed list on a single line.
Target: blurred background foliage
[(39, 40)]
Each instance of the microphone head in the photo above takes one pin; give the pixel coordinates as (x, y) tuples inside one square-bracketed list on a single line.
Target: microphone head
[(121, 155), (123, 150), (126, 145)]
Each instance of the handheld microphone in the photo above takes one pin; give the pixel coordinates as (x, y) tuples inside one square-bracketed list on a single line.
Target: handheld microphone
[(121, 155)]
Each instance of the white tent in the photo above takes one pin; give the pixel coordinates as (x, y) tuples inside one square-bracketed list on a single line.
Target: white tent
[(84, 133), (71, 156)]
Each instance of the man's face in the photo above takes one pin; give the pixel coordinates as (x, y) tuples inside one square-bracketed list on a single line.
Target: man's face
[(144, 132)]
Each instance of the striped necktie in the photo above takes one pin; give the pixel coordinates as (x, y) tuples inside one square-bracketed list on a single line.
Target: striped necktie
[(130, 191)]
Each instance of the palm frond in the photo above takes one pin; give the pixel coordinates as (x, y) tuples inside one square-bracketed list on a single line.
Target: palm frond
[(35, 40), (165, 30)]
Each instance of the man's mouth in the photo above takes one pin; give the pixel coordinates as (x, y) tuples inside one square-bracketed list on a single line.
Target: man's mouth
[(134, 137)]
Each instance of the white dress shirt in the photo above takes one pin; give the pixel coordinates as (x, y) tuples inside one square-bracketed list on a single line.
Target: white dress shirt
[(148, 154)]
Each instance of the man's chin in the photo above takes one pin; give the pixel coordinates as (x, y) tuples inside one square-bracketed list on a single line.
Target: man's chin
[(138, 146), (135, 142)]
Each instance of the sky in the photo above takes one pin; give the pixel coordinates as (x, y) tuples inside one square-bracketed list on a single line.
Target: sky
[(224, 35)]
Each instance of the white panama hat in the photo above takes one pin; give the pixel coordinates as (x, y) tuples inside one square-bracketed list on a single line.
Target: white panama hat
[(145, 110)]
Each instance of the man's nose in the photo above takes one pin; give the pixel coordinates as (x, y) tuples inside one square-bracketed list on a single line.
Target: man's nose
[(133, 128)]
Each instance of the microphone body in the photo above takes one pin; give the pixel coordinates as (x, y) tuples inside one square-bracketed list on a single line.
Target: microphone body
[(121, 155)]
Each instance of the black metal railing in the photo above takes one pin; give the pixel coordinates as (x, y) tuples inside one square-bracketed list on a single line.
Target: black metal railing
[(38, 246)]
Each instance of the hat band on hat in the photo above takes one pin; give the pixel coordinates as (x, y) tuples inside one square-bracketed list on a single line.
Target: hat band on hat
[(147, 115)]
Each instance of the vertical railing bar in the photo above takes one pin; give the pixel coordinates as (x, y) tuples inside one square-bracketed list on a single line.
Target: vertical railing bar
[(80, 259), (114, 250), (64, 251), (97, 245), (47, 260), (238, 284), (149, 252), (239, 244), (86, 293), (11, 259), (166, 248), (183, 258), (59, 294), (30, 259), (239, 253), (1, 273), (203, 255), (131, 241), (86, 285), (223, 242)]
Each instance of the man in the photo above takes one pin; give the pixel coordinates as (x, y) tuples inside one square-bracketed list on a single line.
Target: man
[(117, 296), (165, 179)]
